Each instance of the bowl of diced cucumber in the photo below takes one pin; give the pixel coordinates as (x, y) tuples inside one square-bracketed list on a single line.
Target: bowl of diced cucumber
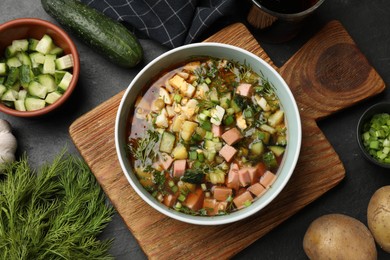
[(373, 134), (39, 67)]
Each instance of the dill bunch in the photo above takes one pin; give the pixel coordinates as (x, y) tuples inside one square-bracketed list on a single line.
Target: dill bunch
[(53, 213)]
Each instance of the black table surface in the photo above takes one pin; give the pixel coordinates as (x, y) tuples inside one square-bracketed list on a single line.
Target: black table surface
[(366, 21)]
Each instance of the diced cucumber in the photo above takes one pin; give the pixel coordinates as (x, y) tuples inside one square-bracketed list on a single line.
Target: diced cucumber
[(10, 51), (38, 70), (37, 90), (32, 103), (58, 75), (257, 148), (277, 150), (225, 100), (22, 94), (24, 58), (65, 62), (3, 69), (25, 75), (213, 95), (276, 118), (9, 95), (13, 76), (37, 58), (49, 66), (65, 82), (52, 97), (20, 45), (19, 105), (3, 89), (56, 51), (32, 44), (13, 62), (28, 76), (45, 45), (47, 81), (167, 142)]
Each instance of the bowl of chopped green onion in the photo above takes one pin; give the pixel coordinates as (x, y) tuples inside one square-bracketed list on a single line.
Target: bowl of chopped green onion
[(373, 134)]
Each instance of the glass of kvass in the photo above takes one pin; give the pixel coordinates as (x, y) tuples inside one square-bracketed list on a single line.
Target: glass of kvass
[(280, 20)]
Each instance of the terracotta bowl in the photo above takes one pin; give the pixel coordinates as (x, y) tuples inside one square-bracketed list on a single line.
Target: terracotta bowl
[(24, 28)]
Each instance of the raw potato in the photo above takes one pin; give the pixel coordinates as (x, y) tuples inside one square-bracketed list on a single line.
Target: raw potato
[(378, 217), (337, 236)]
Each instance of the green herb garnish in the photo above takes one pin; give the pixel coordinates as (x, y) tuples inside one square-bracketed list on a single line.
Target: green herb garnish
[(194, 176), (53, 213), (142, 148)]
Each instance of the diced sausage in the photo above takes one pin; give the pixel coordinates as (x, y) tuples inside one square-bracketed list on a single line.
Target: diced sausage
[(244, 177), (227, 152), (232, 136), (241, 200), (244, 89), (210, 205), (217, 130), (165, 161), (267, 179), (222, 193), (233, 178), (194, 200), (179, 167), (169, 200), (257, 189)]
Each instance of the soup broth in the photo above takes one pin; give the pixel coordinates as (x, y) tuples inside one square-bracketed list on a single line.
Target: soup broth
[(207, 137)]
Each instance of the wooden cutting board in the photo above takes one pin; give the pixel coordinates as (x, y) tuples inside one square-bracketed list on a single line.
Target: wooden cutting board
[(326, 75)]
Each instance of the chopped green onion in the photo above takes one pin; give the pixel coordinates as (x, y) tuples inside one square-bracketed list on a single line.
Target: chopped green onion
[(206, 125), (208, 135), (229, 120), (171, 183), (201, 157), (193, 155), (376, 137), (182, 197), (247, 203), (174, 189)]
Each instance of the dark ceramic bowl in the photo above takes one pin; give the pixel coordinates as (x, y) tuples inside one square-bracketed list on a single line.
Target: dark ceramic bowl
[(23, 28), (366, 117)]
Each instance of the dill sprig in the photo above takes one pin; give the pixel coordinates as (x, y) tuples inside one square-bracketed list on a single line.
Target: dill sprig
[(143, 148), (54, 213), (205, 104)]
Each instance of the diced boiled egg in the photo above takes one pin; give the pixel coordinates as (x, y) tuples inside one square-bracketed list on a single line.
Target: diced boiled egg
[(165, 96), (262, 103), (241, 123), (217, 115), (162, 119)]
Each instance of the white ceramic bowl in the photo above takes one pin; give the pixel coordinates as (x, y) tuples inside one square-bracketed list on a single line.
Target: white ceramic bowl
[(294, 132)]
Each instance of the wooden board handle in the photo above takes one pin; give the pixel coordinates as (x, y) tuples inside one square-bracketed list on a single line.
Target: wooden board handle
[(329, 73)]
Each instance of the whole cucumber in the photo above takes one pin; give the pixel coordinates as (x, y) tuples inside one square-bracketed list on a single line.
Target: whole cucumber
[(101, 33)]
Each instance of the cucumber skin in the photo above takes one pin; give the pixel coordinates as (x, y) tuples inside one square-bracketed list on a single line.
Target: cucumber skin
[(101, 33)]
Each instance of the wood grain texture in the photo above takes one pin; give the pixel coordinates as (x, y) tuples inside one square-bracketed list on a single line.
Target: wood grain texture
[(318, 170)]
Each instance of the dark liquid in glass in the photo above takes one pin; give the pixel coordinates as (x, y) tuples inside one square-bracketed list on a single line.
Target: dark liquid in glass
[(287, 6)]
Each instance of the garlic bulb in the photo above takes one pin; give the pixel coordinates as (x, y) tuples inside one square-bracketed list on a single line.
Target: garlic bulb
[(8, 143)]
